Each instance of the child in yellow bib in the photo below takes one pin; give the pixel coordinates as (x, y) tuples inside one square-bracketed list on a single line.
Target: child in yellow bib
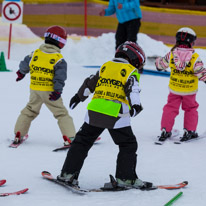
[(116, 83), (48, 72), (186, 69)]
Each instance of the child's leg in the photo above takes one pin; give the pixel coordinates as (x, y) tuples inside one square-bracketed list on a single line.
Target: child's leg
[(82, 143), (127, 157), (170, 111), (190, 105), (29, 113), (60, 112)]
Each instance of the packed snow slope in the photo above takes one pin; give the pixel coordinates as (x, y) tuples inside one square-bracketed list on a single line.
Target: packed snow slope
[(166, 164)]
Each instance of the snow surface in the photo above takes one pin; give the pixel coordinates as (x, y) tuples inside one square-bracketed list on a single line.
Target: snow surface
[(165, 164)]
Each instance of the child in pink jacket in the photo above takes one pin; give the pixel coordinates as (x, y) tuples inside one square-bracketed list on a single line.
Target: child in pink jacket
[(186, 69)]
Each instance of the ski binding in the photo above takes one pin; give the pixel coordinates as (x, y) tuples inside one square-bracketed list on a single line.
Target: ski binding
[(14, 145), (191, 140), (175, 133)]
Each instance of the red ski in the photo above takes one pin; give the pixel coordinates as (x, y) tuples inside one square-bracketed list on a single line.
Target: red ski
[(68, 146), (14, 193), (172, 187), (154, 187), (13, 145), (2, 182)]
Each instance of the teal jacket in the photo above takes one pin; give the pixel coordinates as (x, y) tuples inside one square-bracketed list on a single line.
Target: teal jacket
[(130, 10)]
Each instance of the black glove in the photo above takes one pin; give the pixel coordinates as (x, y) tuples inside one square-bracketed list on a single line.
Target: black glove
[(54, 96), (20, 76), (74, 101), (135, 109)]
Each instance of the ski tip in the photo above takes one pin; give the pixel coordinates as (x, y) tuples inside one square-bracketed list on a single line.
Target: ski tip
[(158, 143), (61, 148), (21, 191), (25, 190), (2, 182), (185, 182), (98, 138), (45, 173)]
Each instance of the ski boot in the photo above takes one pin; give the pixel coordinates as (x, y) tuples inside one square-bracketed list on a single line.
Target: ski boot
[(18, 138), (164, 135), (119, 184), (67, 140), (137, 184), (188, 135), (69, 179)]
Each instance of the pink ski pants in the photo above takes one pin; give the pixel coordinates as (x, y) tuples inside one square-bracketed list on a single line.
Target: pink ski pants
[(171, 110)]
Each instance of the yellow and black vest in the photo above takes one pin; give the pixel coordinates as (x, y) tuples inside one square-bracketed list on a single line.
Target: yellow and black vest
[(111, 82), (183, 82), (42, 70)]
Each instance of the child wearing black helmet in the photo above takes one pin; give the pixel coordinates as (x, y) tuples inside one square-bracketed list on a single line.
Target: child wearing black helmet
[(186, 69), (48, 72), (115, 99)]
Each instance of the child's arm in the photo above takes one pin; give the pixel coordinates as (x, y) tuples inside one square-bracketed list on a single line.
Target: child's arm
[(162, 63), (132, 91), (85, 90), (24, 64), (60, 75), (199, 70), (23, 68)]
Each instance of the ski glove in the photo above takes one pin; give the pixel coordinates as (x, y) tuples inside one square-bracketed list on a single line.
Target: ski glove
[(74, 101), (20, 76), (135, 110), (54, 96), (157, 65)]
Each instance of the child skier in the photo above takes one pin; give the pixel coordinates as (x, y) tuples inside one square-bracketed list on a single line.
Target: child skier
[(48, 72), (186, 69), (116, 98)]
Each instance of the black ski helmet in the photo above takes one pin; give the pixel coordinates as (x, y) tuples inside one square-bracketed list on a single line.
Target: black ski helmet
[(186, 35), (133, 52)]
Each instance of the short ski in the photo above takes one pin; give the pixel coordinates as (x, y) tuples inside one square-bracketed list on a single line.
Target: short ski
[(175, 133), (77, 190), (13, 145), (191, 140), (74, 189), (114, 188), (14, 193), (167, 187), (68, 146), (2, 182)]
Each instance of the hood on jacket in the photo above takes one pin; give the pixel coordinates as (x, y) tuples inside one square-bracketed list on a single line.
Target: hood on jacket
[(182, 57), (49, 48)]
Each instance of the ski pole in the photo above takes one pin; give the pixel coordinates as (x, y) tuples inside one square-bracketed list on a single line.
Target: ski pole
[(174, 199)]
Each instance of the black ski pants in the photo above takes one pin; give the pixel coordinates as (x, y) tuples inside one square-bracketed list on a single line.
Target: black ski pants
[(127, 31), (84, 139)]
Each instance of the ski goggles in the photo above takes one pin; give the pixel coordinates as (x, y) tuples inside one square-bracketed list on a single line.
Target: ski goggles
[(55, 37)]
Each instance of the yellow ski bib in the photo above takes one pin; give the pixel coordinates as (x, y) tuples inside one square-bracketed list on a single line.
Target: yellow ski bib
[(113, 76), (183, 82), (42, 70)]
